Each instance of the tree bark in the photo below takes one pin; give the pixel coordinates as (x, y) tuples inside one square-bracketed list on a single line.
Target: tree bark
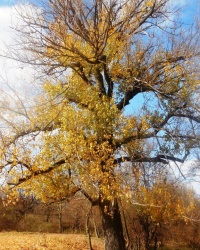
[(88, 230), (96, 230), (112, 226), (60, 218)]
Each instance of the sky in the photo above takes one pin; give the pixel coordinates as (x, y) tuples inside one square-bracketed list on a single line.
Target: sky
[(11, 73)]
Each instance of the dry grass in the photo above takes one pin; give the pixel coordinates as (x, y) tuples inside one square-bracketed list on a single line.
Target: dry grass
[(40, 241)]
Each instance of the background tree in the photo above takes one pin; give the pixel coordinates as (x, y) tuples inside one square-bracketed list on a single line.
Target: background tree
[(158, 201), (99, 56)]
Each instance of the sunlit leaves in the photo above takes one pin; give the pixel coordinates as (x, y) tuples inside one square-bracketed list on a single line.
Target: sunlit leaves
[(101, 55), (164, 202)]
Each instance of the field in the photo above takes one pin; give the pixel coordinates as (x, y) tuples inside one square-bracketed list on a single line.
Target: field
[(47, 241), (41, 241)]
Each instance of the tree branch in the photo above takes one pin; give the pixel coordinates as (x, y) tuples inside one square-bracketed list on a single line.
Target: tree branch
[(127, 97), (159, 158), (99, 79), (33, 173)]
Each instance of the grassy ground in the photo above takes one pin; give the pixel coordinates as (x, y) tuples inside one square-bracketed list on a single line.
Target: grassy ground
[(47, 241), (40, 241), (174, 248)]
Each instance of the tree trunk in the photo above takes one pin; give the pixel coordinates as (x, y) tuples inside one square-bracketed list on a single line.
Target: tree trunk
[(147, 241), (60, 218), (96, 230), (88, 230), (112, 226)]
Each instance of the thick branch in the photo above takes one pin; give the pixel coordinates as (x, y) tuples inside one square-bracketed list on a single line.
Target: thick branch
[(99, 79), (157, 127), (125, 140), (127, 97), (30, 132), (191, 117), (159, 158), (108, 78), (33, 173)]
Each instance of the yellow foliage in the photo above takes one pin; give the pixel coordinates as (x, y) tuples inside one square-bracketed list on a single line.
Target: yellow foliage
[(164, 202), (78, 129)]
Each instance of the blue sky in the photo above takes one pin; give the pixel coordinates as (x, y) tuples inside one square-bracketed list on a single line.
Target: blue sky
[(190, 8), (6, 2)]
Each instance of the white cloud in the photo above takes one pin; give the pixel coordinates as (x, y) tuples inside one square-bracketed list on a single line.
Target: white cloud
[(13, 75), (6, 14), (187, 173)]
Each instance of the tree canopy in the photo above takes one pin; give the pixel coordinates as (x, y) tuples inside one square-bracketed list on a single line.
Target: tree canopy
[(82, 134)]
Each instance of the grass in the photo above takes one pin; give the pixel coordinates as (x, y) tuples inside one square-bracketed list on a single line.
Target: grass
[(41, 241), (47, 241), (174, 248)]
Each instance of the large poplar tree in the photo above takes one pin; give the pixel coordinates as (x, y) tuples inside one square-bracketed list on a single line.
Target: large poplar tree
[(121, 89)]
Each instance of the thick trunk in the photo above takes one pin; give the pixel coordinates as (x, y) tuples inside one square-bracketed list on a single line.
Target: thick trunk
[(147, 240), (112, 226)]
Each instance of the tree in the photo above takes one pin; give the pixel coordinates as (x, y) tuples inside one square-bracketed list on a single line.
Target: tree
[(159, 201), (98, 57)]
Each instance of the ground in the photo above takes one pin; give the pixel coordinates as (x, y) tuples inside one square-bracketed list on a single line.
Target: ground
[(47, 241), (44, 241)]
